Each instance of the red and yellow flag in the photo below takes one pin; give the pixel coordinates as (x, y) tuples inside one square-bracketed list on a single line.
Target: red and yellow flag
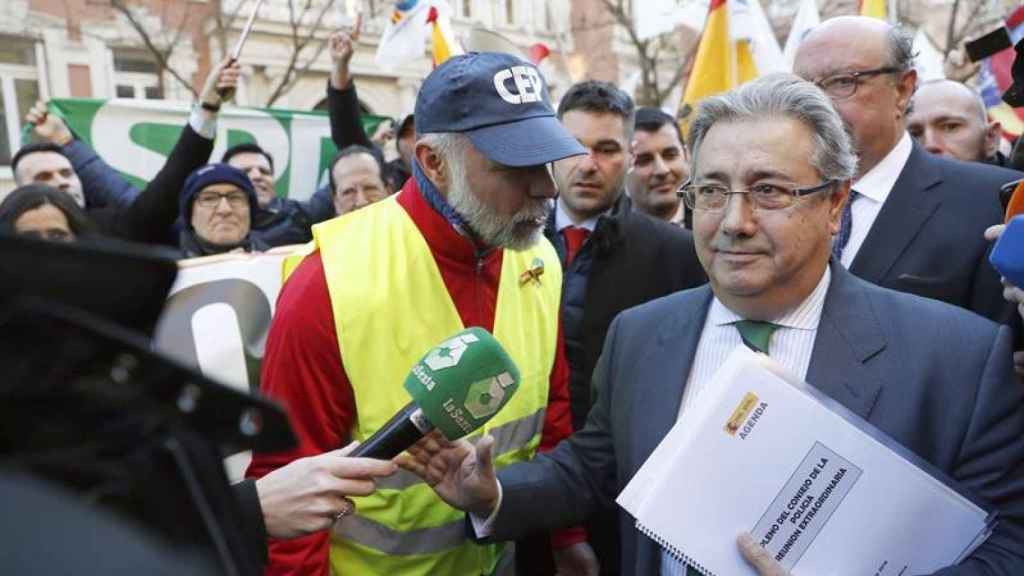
[(442, 40), (715, 67), (874, 9)]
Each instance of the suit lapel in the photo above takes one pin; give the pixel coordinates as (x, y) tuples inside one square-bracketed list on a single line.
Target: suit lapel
[(904, 213), (848, 336), (672, 355)]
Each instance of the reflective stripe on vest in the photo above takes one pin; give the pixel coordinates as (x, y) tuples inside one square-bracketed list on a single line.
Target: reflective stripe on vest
[(390, 307)]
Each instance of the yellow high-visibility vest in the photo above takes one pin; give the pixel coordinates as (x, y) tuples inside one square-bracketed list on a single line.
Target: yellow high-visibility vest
[(390, 307)]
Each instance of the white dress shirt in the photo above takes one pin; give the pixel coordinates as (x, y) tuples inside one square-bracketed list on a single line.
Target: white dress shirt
[(874, 188), (791, 345), (563, 221)]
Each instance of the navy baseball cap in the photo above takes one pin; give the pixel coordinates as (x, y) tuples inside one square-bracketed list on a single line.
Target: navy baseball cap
[(501, 103)]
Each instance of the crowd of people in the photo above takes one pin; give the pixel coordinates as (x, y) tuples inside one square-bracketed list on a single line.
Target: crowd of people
[(848, 207)]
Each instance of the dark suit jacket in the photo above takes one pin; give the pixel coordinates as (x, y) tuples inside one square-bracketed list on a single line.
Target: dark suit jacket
[(935, 378), (635, 259), (927, 239)]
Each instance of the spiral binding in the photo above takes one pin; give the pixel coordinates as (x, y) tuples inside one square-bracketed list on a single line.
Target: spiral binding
[(673, 551)]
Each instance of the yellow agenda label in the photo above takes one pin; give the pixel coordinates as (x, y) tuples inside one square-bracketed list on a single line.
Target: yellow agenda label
[(740, 414)]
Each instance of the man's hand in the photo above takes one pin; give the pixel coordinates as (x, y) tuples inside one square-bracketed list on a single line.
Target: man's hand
[(223, 79), (385, 133), (310, 494), (577, 560), (48, 127), (758, 557), (341, 46), (460, 473), (1011, 294)]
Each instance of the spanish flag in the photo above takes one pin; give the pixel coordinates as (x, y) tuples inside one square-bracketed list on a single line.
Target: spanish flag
[(715, 67), (442, 39), (874, 9)]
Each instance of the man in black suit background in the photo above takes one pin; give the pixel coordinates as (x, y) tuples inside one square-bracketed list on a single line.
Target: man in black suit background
[(914, 221), (613, 256)]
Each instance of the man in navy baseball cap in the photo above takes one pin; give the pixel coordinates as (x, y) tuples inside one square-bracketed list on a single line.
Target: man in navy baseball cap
[(486, 134), (501, 103), (459, 245)]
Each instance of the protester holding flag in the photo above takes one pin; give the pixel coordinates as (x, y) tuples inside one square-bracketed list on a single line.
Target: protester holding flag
[(118, 208)]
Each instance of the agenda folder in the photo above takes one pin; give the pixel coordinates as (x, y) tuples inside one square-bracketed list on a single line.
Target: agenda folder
[(821, 489)]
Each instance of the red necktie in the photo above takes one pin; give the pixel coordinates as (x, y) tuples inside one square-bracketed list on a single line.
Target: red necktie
[(574, 239)]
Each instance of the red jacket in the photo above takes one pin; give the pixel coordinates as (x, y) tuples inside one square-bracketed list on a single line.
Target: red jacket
[(302, 366)]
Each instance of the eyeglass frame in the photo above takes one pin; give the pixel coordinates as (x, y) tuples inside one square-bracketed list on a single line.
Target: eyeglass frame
[(690, 200), (856, 75), (223, 196)]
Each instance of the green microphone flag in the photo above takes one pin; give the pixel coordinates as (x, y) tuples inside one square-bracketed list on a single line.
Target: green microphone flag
[(463, 382)]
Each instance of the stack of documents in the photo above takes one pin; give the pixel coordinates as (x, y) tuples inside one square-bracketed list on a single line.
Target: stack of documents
[(821, 489)]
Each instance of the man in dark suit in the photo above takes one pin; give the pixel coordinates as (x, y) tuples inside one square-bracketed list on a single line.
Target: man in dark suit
[(915, 221), (764, 217), (613, 257)]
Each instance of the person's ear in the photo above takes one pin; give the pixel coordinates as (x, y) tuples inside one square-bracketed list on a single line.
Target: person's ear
[(432, 164), (906, 85), (993, 136), (837, 201)]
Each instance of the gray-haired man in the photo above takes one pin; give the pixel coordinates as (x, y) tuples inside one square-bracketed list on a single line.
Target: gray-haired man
[(764, 217)]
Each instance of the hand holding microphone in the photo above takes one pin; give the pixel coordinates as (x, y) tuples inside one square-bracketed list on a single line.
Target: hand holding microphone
[(456, 387)]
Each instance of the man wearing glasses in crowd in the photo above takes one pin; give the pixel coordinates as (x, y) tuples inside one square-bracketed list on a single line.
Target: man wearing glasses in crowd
[(914, 222)]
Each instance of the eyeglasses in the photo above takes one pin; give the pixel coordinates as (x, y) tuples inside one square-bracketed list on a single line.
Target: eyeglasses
[(714, 197), (212, 199), (842, 86)]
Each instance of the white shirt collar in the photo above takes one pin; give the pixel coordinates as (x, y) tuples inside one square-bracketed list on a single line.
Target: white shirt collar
[(879, 181), (563, 221), (804, 317), (680, 216)]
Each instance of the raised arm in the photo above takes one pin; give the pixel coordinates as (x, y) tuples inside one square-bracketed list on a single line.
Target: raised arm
[(151, 215), (102, 185)]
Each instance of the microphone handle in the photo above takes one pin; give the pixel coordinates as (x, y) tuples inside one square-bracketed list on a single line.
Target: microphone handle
[(401, 431)]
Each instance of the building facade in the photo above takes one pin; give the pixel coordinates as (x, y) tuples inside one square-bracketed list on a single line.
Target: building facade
[(153, 49)]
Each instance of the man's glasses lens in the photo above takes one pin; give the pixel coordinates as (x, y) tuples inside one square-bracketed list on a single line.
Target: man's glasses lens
[(235, 199)]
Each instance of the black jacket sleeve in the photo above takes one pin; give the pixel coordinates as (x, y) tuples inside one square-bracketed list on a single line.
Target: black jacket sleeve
[(252, 516), (150, 216), (346, 123)]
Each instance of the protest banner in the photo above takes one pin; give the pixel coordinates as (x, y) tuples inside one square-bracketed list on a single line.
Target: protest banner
[(216, 320), (136, 136)]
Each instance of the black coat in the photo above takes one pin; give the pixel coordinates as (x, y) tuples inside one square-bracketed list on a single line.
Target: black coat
[(635, 258)]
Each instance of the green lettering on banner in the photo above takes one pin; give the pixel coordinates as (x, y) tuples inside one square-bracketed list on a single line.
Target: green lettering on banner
[(136, 136)]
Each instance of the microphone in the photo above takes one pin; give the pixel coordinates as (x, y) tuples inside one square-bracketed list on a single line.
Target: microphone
[(456, 387), (1012, 197), (1007, 255)]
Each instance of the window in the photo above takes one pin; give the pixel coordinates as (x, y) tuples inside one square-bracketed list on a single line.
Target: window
[(19, 90), (136, 75), (466, 8)]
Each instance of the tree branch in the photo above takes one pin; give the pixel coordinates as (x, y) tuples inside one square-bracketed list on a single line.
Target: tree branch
[(293, 72), (161, 57)]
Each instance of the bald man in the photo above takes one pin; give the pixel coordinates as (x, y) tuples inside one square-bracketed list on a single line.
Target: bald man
[(949, 119), (915, 221)]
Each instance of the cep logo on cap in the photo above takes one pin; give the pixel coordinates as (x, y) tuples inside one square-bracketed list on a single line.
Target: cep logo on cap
[(528, 85)]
